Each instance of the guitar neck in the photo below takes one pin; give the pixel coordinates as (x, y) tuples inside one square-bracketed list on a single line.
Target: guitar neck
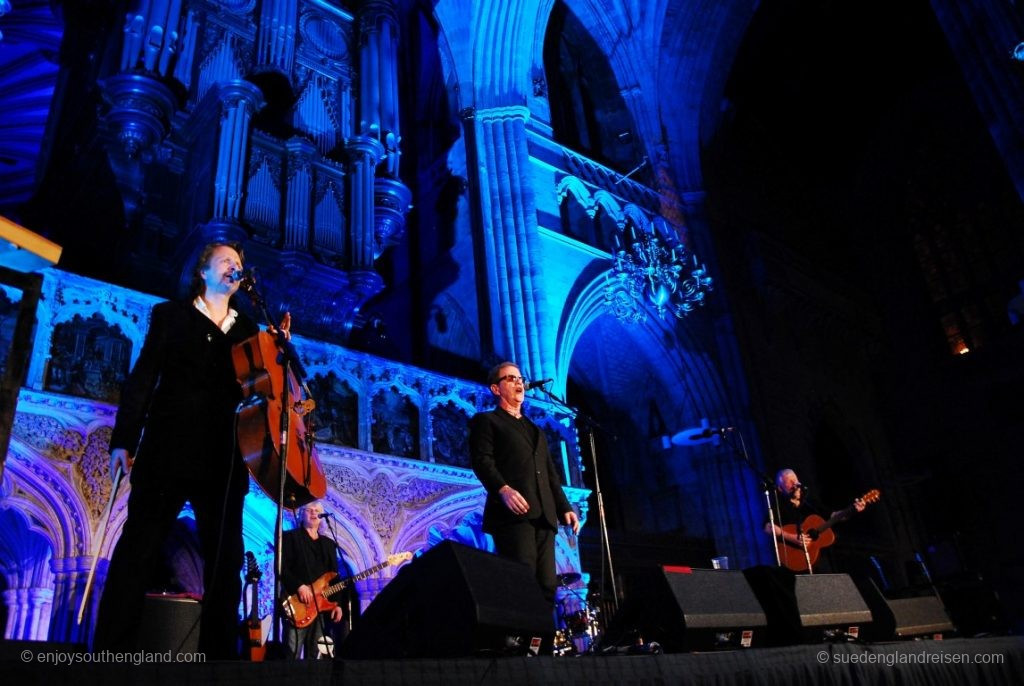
[(334, 588), (840, 516)]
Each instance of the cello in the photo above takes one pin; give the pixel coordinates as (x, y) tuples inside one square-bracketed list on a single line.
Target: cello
[(262, 363)]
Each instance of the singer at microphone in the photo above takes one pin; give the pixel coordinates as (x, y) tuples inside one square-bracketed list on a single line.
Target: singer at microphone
[(306, 557), (525, 502)]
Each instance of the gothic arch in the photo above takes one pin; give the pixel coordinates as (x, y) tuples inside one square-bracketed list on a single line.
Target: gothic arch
[(587, 302), (52, 506), (448, 511)]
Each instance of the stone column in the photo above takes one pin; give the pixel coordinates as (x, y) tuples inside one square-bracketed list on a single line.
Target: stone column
[(510, 241), (70, 574), (28, 613)]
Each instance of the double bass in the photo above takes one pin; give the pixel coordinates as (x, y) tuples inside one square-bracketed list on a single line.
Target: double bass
[(260, 370)]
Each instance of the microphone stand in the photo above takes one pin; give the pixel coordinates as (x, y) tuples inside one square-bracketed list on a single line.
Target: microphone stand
[(289, 359), (602, 522), (767, 485)]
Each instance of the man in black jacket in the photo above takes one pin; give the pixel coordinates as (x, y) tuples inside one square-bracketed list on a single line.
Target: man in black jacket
[(306, 556), (525, 501), (174, 435)]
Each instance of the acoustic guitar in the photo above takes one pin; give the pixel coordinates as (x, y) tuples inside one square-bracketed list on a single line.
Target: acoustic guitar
[(819, 529), (254, 648), (302, 614)]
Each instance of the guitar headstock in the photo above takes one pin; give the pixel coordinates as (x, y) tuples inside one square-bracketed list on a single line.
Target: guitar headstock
[(399, 558), (252, 570), (871, 496)]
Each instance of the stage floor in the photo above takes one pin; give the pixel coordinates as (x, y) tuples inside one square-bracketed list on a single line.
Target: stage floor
[(993, 660)]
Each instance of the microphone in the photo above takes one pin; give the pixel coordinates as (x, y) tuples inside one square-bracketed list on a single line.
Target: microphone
[(238, 275), (326, 515), (801, 487), (709, 432), (538, 384)]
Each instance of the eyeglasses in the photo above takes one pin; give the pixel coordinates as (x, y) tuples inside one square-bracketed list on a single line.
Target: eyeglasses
[(512, 378)]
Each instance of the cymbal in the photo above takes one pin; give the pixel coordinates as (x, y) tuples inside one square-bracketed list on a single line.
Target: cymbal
[(568, 578)]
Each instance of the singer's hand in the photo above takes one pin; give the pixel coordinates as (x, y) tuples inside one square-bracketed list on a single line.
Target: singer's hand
[(572, 519), (859, 505), (514, 500), (119, 457)]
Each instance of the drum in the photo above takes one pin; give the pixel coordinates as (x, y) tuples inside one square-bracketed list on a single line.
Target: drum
[(578, 623)]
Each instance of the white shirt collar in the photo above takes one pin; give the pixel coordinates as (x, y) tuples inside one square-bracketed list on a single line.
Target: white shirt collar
[(225, 325)]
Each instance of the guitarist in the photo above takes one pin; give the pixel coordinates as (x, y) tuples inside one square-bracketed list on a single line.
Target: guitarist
[(793, 509), (307, 555)]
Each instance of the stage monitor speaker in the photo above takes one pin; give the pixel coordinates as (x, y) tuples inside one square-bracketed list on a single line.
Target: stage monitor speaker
[(170, 623), (830, 605), (684, 609), (905, 617), (453, 601), (808, 607)]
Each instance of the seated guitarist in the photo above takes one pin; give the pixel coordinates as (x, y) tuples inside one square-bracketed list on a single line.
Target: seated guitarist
[(305, 557), (793, 510)]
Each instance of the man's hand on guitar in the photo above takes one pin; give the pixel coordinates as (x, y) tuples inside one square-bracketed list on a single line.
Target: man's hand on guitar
[(305, 593), (799, 540), (336, 614), (859, 504)]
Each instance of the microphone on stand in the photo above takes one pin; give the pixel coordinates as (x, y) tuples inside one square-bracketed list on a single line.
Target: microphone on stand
[(709, 432), (538, 384), (325, 515), (238, 275)]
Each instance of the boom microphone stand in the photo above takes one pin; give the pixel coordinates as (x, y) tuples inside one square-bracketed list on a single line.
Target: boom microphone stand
[(693, 437), (602, 523)]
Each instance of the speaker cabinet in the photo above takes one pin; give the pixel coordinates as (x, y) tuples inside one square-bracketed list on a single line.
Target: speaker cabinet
[(830, 603), (452, 601), (808, 607), (684, 609), (171, 623), (714, 608), (905, 617)]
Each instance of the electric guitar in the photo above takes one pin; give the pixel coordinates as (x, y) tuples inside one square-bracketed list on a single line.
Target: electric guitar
[(819, 529), (254, 648), (302, 614)]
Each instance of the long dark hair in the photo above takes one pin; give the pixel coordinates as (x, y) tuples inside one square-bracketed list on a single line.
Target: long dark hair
[(196, 286)]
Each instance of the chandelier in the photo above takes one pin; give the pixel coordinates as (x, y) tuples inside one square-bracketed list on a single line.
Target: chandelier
[(646, 272)]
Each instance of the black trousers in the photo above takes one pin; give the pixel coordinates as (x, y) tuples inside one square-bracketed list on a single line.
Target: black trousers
[(152, 511), (533, 542)]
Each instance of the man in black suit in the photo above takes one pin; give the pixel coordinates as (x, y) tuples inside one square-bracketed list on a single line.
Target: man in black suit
[(174, 435), (525, 501), (306, 556)]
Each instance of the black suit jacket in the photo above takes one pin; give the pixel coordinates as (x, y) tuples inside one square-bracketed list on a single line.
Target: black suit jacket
[(177, 405), (501, 452), (304, 560)]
